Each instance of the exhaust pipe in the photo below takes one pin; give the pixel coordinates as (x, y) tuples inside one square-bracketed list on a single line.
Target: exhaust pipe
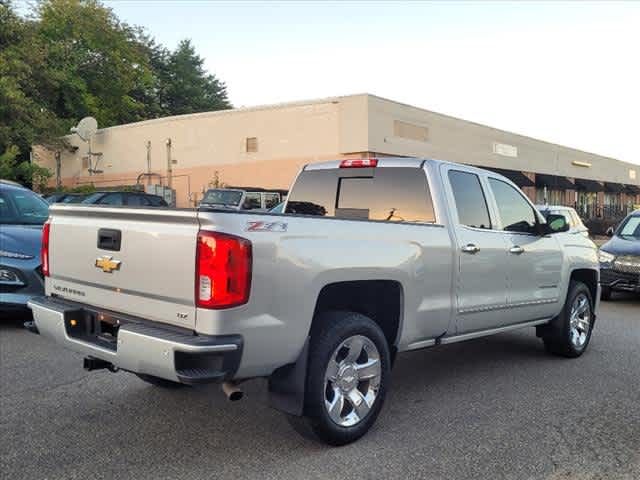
[(232, 391)]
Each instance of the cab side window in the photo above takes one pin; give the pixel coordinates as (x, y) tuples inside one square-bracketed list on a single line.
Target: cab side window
[(470, 202), (516, 214)]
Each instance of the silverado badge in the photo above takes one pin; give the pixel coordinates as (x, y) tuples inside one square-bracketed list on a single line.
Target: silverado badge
[(107, 264)]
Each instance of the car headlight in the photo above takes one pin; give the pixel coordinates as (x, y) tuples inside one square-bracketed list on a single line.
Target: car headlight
[(605, 257), (9, 277), (21, 256)]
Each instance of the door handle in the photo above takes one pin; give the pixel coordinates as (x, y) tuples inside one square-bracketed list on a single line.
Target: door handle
[(516, 250), (470, 248)]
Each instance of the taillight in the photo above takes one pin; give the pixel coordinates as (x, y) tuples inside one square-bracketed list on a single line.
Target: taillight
[(44, 249), (223, 270), (359, 163)]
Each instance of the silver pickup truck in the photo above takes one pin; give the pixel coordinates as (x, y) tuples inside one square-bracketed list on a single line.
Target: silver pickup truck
[(372, 257)]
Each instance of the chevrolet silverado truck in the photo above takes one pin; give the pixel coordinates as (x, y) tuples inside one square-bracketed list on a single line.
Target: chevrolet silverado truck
[(371, 257)]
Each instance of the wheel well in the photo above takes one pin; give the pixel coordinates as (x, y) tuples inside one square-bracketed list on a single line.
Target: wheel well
[(380, 300), (589, 278)]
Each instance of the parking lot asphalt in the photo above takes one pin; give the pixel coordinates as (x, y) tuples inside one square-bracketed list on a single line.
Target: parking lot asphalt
[(497, 407)]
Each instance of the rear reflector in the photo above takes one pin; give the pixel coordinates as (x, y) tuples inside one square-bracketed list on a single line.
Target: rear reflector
[(223, 270), (359, 163), (44, 249)]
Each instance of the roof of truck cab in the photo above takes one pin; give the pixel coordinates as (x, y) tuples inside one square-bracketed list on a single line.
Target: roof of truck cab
[(407, 162)]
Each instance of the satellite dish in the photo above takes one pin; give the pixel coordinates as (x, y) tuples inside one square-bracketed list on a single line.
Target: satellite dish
[(86, 128)]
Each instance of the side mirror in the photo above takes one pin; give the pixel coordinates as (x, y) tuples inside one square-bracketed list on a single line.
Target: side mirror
[(556, 224), (610, 232)]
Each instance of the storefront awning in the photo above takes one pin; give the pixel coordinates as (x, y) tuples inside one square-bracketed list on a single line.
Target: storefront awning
[(632, 189), (519, 178), (553, 182), (613, 187), (588, 185)]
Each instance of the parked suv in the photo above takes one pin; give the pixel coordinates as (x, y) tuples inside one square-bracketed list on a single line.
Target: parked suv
[(620, 258), (372, 257), (130, 199), (22, 214)]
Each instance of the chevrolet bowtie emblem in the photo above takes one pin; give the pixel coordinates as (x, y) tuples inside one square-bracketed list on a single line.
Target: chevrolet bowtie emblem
[(107, 264)]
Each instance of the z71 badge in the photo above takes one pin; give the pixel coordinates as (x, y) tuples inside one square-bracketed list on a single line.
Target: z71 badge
[(261, 226)]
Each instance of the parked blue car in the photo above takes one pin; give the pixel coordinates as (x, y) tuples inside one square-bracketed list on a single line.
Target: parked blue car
[(22, 214)]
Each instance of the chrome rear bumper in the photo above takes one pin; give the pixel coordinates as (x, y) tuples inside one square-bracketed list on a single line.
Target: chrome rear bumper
[(139, 346)]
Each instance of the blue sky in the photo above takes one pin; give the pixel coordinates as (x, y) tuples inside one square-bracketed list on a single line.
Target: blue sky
[(566, 72)]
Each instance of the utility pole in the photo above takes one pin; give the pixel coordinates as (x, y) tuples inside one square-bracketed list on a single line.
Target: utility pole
[(148, 161), (169, 167)]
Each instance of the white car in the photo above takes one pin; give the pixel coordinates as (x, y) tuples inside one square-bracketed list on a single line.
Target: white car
[(570, 215)]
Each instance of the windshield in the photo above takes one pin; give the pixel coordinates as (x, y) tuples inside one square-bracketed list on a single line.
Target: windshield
[(630, 228), (22, 207), (222, 197)]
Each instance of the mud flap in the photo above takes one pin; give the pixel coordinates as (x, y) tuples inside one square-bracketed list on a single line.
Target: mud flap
[(287, 385)]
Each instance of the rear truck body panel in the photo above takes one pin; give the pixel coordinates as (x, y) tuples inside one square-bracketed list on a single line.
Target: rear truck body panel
[(155, 276), (296, 257)]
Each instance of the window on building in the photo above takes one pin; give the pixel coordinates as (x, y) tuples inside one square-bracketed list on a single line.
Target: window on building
[(410, 131), (385, 194), (549, 197), (470, 202), (251, 144), (516, 214)]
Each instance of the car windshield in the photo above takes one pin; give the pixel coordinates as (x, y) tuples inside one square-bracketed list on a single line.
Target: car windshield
[(222, 197), (22, 207), (631, 227)]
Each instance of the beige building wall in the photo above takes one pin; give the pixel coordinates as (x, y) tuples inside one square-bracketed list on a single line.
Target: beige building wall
[(266, 146), (456, 140)]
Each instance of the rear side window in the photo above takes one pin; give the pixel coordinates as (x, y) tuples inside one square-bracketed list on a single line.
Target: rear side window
[(156, 201), (251, 201), (137, 200), (470, 202), (111, 199), (271, 200), (383, 194)]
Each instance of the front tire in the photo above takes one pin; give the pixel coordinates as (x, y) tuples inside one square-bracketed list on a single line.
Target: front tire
[(568, 334), (347, 378)]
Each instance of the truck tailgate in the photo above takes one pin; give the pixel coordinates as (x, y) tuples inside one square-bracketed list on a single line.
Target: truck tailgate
[(150, 274)]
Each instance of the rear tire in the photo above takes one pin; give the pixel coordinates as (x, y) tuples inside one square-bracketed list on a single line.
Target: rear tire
[(568, 334), (605, 293), (347, 378), (159, 382)]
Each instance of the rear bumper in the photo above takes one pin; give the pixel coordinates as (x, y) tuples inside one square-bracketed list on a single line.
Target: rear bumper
[(136, 345), (623, 281)]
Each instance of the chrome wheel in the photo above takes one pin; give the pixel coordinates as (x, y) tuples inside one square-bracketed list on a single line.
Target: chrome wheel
[(352, 380), (580, 320)]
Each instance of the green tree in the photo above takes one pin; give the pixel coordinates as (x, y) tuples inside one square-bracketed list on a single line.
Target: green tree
[(74, 58), (186, 87)]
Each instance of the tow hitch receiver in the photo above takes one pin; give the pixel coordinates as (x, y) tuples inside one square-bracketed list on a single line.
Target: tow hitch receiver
[(91, 363)]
